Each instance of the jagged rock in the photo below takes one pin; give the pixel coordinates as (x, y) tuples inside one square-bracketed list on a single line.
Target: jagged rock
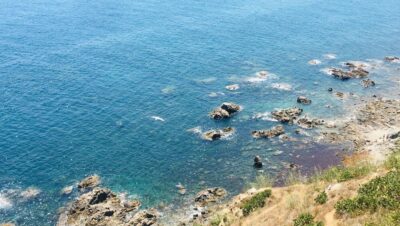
[(145, 218), (273, 132), (392, 59), (98, 207), (217, 134), (7, 224), (359, 73), (340, 74), (355, 71), (307, 123), (208, 195), (89, 182), (303, 100), (67, 190), (225, 111), (287, 115), (232, 87), (257, 162), (367, 83)]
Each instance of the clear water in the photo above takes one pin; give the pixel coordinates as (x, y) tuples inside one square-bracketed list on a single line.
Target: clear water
[(80, 81)]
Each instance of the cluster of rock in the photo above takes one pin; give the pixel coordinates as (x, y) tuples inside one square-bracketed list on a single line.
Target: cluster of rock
[(367, 83), (209, 195), (216, 134), (355, 70), (273, 132), (307, 123), (303, 100), (226, 110), (287, 115), (392, 59), (100, 206)]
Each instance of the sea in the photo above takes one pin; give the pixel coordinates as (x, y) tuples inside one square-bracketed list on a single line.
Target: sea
[(123, 89)]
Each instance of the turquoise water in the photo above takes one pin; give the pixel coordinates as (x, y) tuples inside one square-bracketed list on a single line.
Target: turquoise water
[(80, 81)]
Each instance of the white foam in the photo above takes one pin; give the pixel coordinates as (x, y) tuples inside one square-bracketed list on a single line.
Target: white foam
[(30, 193), (158, 118), (195, 130), (330, 56), (314, 62), (207, 80), (266, 116), (282, 86), (5, 203)]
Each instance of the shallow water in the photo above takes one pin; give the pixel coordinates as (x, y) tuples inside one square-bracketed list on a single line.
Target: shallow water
[(81, 81)]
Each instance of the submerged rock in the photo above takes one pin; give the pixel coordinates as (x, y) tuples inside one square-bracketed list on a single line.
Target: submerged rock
[(30, 193), (67, 190), (314, 62), (367, 83), (303, 100), (100, 207), (217, 134), (273, 132), (225, 111), (232, 87), (89, 182), (257, 162), (208, 195), (307, 123), (287, 115)]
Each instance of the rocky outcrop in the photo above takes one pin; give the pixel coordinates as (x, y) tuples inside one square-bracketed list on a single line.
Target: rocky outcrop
[(89, 182), (367, 83), (355, 70), (209, 195), (392, 59), (257, 162), (287, 115), (226, 110), (102, 207), (217, 134), (303, 100), (232, 87), (307, 123), (273, 132)]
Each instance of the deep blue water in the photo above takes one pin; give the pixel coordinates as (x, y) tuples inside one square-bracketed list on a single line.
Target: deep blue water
[(80, 80)]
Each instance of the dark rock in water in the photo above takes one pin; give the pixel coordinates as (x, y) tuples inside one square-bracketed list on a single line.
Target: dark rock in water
[(367, 83), (330, 89), (392, 59), (208, 195), (257, 162), (340, 95), (359, 73), (225, 111), (273, 132), (102, 207), (217, 134), (340, 74), (230, 107), (303, 100), (89, 182), (287, 115)]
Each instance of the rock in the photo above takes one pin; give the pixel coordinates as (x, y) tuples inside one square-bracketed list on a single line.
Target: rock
[(262, 74), (89, 182), (67, 190), (307, 123), (181, 189), (355, 71), (394, 135), (287, 115), (340, 95), (257, 162), (217, 134), (303, 100), (208, 195), (273, 132), (232, 87), (367, 83), (99, 207), (330, 90), (392, 59), (145, 218), (339, 74), (314, 62), (225, 111), (358, 73), (7, 224)]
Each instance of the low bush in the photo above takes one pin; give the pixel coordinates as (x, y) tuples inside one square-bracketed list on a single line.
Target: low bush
[(255, 202), (321, 198), (306, 219)]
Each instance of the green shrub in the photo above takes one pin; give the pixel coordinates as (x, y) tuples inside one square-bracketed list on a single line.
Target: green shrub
[(341, 174), (306, 219), (255, 202), (381, 192), (321, 198)]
